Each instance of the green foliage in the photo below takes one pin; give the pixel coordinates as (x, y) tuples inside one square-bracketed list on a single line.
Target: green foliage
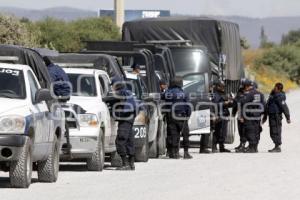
[(70, 36), (244, 43), (291, 38), (56, 34), (13, 31), (284, 59)]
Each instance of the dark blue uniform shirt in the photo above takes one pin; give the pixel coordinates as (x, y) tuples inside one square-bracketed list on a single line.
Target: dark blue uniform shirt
[(277, 104), (57, 75)]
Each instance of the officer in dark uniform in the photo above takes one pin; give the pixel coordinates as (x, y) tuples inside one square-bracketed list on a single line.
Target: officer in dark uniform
[(253, 105), (124, 111), (221, 114), (236, 110), (136, 69), (276, 105), (177, 118), (61, 89)]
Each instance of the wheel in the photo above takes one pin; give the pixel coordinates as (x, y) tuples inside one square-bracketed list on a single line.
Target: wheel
[(21, 171), (96, 162), (162, 139), (115, 160), (48, 169), (142, 154)]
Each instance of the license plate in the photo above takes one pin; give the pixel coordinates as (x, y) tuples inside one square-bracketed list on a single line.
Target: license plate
[(139, 132), (84, 140)]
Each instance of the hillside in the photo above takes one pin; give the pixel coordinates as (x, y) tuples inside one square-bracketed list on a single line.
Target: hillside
[(250, 27)]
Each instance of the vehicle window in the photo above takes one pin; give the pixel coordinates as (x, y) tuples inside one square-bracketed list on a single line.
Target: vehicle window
[(194, 84), (33, 85), (12, 84), (135, 87), (83, 85), (104, 84), (190, 61)]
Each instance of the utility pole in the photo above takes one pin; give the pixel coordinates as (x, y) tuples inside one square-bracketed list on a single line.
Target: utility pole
[(119, 13)]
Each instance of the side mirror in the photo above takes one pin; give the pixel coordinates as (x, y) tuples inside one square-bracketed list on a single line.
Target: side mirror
[(109, 99), (43, 95)]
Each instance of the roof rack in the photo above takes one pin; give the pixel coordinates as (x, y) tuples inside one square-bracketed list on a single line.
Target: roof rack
[(9, 58), (170, 42), (75, 65)]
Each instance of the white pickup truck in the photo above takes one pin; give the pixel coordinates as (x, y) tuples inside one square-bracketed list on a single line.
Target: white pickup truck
[(30, 132), (97, 131)]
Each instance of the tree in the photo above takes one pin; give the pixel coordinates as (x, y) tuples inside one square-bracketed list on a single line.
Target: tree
[(263, 37), (291, 38), (244, 43), (70, 36), (14, 32)]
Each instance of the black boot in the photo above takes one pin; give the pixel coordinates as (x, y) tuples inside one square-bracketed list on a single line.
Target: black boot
[(276, 149), (251, 149), (175, 153), (125, 165), (215, 148), (131, 162), (204, 150), (241, 148), (223, 150), (186, 155)]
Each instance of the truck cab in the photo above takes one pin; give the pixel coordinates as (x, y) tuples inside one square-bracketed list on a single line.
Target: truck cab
[(30, 129)]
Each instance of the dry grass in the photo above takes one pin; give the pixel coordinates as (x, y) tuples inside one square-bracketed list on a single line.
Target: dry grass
[(265, 75)]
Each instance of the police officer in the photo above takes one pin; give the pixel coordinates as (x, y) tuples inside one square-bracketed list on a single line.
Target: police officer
[(62, 90), (253, 105), (124, 111), (236, 110), (276, 105), (221, 117), (177, 118), (60, 80), (136, 69)]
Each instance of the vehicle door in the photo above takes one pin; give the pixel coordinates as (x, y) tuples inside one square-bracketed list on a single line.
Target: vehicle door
[(40, 114), (110, 123)]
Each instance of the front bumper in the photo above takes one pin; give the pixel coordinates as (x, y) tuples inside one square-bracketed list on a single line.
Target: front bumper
[(11, 146), (84, 142)]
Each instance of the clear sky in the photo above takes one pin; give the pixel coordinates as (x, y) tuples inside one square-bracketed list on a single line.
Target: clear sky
[(251, 8)]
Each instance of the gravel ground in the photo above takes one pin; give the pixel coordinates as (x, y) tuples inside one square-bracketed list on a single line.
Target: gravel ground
[(232, 176)]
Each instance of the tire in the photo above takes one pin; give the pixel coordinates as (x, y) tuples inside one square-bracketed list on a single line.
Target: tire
[(162, 139), (48, 169), (21, 170), (115, 160), (96, 162), (142, 154)]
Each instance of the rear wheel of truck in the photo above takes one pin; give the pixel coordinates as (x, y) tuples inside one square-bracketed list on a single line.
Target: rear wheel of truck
[(21, 170), (96, 162), (142, 153), (48, 169), (115, 160)]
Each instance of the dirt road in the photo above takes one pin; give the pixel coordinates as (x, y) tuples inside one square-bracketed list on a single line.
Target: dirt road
[(233, 176)]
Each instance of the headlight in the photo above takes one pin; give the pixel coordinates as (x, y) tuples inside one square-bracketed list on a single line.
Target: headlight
[(86, 120), (12, 124)]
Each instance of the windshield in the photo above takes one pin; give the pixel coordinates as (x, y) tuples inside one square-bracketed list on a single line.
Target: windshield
[(83, 85), (12, 84), (190, 61), (194, 84)]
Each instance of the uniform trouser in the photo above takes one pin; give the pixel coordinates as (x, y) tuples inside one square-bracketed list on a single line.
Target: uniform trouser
[(252, 130), (243, 138), (220, 131), (125, 139), (174, 128), (275, 123)]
